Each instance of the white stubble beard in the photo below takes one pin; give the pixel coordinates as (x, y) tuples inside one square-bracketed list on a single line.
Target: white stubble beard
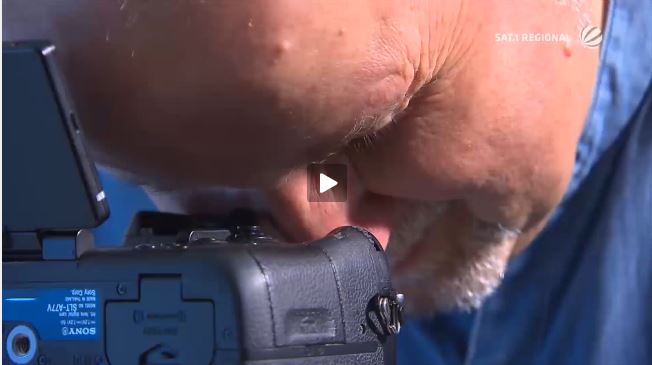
[(457, 274)]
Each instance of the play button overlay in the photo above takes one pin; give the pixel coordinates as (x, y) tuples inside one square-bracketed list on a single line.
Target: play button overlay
[(326, 183)]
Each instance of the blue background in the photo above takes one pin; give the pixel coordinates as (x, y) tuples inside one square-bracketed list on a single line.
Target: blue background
[(124, 201)]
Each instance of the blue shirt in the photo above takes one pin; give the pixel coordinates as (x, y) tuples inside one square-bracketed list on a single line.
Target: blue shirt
[(582, 292)]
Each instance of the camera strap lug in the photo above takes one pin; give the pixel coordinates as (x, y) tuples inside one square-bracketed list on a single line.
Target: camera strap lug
[(391, 312)]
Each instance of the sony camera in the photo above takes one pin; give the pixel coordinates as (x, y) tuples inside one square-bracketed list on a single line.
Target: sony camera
[(181, 289)]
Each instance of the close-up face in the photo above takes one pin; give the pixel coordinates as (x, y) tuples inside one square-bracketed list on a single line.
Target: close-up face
[(459, 142)]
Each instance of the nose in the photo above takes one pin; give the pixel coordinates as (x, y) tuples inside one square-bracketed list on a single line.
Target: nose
[(301, 220)]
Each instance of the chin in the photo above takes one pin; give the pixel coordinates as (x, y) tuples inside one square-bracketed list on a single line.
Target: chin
[(429, 290), (441, 262)]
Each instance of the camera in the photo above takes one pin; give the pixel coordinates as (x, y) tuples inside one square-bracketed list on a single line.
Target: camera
[(181, 289)]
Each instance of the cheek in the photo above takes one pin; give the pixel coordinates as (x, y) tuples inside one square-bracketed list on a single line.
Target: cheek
[(498, 129), (505, 171), (423, 157)]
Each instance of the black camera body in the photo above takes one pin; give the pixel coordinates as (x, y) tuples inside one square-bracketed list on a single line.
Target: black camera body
[(181, 290), (207, 301)]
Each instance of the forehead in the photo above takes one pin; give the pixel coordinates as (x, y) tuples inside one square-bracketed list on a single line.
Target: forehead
[(217, 92)]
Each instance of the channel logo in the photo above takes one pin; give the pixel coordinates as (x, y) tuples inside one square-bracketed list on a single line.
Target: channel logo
[(591, 36)]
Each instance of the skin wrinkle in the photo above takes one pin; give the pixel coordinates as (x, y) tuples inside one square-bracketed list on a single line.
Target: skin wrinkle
[(369, 126), (456, 44), (416, 97)]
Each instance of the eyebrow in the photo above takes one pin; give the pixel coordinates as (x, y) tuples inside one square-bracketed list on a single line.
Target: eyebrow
[(365, 132), (373, 124)]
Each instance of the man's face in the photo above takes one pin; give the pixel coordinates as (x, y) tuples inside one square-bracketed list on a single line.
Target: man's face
[(458, 144)]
